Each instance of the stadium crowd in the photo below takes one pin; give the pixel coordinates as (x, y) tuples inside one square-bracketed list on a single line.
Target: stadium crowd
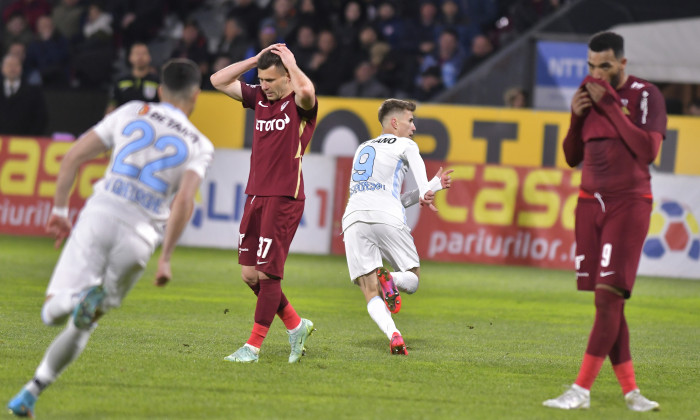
[(361, 48)]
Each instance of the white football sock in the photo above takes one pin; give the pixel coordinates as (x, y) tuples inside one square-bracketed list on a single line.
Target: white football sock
[(381, 315), (65, 348), (405, 281), (58, 308)]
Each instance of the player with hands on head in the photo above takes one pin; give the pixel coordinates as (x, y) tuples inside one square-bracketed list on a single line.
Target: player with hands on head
[(374, 224), (285, 108), (132, 209), (618, 122)]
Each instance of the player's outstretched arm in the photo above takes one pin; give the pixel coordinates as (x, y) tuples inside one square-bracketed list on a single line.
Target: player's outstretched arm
[(180, 213), (303, 86), (87, 147), (441, 180)]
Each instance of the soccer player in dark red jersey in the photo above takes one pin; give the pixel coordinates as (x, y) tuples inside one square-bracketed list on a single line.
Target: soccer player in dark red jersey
[(285, 118), (618, 122)]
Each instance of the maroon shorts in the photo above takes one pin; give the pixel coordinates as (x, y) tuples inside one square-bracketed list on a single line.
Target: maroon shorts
[(267, 229), (609, 239)]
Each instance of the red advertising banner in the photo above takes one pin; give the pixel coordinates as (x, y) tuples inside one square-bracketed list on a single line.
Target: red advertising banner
[(492, 214), (28, 170)]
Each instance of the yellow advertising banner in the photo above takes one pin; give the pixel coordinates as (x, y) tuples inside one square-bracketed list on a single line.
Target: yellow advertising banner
[(452, 133)]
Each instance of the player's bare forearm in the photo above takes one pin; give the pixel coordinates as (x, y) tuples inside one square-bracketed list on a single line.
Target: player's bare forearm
[(644, 144), (303, 87), (87, 147), (226, 79), (180, 213)]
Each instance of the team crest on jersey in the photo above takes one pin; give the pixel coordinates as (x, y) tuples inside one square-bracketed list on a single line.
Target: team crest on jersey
[(284, 105), (144, 109), (637, 85)]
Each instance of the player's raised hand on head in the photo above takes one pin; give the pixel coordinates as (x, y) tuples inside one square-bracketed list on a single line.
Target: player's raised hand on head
[(164, 273), (59, 227), (445, 178), (427, 200), (285, 54)]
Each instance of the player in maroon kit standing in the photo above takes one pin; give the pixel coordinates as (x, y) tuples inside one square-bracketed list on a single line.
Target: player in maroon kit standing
[(618, 122), (285, 117)]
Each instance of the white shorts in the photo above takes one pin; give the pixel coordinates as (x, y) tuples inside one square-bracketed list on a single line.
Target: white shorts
[(367, 243), (101, 250)]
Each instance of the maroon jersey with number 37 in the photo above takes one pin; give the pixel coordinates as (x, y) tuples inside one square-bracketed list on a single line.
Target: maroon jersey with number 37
[(609, 166), (282, 132)]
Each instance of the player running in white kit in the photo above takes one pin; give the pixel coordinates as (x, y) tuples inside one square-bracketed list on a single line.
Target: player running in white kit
[(158, 161), (374, 223)]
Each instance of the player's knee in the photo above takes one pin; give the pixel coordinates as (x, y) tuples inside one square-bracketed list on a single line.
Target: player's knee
[(48, 319), (608, 298)]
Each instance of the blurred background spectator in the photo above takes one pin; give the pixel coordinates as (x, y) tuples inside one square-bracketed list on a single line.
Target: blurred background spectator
[(515, 97), (140, 84), (30, 10), (67, 16), (364, 84), (22, 107), (48, 56)]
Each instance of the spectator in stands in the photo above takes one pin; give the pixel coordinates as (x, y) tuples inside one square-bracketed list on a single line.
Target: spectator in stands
[(367, 37), (429, 84), (389, 25), (397, 72), (455, 19), (220, 62), (29, 9), (304, 47), (67, 17), (16, 30), (482, 48), (249, 12), (285, 18), (94, 56), (138, 20), (515, 97), (311, 12), (193, 45), (141, 84), (22, 107), (19, 50), (328, 68), (48, 56), (234, 41), (364, 84), (450, 57), (348, 24), (426, 29), (266, 37)]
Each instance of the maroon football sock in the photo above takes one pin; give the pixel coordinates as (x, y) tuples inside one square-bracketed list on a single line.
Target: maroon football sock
[(620, 352), (608, 319), (283, 301), (269, 300)]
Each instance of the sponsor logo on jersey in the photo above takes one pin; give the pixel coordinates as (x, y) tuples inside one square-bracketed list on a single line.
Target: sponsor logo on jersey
[(277, 124), (366, 186), (262, 104), (637, 85)]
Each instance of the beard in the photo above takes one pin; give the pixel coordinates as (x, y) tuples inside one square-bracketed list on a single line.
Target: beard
[(615, 80)]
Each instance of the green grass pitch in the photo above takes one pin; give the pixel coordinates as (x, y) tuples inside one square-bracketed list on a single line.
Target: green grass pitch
[(485, 342)]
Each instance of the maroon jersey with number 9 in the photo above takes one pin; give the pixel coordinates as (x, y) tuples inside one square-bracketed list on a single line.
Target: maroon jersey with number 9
[(282, 132)]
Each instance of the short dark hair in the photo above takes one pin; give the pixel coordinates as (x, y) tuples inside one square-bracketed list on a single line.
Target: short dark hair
[(180, 76), (391, 105), (603, 41), (269, 59)]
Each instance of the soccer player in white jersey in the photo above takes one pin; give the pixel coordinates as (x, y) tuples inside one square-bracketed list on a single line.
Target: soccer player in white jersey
[(146, 195), (374, 223)]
